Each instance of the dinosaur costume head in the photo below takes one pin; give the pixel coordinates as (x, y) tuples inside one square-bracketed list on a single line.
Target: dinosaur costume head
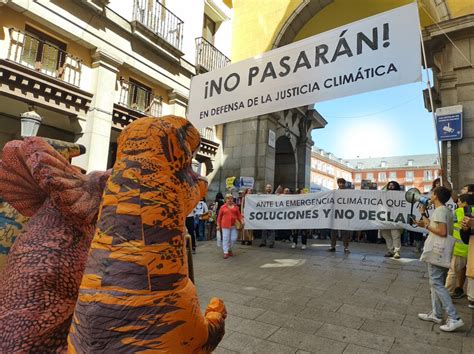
[(136, 294), (164, 148)]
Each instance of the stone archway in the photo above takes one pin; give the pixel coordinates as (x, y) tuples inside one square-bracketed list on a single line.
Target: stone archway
[(285, 163)]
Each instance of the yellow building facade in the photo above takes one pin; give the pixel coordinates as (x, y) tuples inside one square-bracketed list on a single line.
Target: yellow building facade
[(448, 33)]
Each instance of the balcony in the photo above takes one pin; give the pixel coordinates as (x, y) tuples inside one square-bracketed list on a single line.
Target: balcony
[(38, 73), (208, 57), (208, 145), (43, 57), (160, 21), (134, 102)]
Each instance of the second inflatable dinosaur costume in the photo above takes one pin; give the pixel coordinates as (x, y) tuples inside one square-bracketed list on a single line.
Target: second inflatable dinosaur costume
[(136, 294)]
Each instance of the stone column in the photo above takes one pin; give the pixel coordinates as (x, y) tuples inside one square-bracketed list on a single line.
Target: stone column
[(96, 125), (178, 103), (245, 152), (453, 73)]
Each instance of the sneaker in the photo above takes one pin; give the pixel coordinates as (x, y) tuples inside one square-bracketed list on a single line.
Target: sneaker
[(230, 253), (332, 249), (303, 247), (451, 325), (471, 305), (458, 293), (346, 250), (262, 245), (396, 255), (226, 255), (293, 245), (388, 254), (430, 317)]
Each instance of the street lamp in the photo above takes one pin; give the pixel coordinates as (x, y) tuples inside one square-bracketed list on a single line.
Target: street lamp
[(30, 122)]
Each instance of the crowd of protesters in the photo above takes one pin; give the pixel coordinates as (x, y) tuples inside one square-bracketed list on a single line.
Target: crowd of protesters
[(223, 219)]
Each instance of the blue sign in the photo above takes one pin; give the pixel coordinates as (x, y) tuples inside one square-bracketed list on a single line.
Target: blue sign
[(449, 126)]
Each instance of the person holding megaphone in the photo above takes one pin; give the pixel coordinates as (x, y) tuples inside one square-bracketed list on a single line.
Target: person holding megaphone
[(440, 229)]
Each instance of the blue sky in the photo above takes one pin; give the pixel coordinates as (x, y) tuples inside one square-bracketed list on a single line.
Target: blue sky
[(382, 123)]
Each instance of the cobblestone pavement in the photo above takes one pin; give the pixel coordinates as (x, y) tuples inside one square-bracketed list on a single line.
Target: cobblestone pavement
[(285, 300)]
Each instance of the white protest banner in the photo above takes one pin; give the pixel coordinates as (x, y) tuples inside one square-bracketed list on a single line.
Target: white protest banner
[(371, 54), (339, 209)]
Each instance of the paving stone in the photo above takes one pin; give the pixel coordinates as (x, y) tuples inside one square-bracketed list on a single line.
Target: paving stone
[(372, 314), (356, 349), (320, 345), (348, 335), (240, 342), (267, 347), (243, 311), (250, 327), (234, 297), (336, 318), (406, 347), (324, 304), (289, 337), (416, 335), (276, 306), (290, 322)]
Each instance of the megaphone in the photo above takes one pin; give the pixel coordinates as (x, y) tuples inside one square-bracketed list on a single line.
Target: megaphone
[(413, 195)]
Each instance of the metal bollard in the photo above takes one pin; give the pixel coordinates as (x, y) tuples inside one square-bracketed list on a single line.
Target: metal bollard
[(189, 253)]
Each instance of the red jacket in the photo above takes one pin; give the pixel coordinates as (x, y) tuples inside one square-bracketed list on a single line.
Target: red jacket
[(227, 216)]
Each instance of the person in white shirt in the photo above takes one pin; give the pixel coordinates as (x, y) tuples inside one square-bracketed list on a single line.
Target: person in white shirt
[(200, 211)]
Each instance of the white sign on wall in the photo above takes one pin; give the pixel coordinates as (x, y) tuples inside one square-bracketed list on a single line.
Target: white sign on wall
[(271, 138), (371, 54)]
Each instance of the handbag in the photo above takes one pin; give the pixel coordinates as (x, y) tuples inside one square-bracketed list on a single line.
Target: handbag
[(205, 216), (219, 238), (238, 224), (438, 250)]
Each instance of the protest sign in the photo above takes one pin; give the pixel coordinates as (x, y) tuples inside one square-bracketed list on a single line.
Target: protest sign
[(362, 56), (339, 209)]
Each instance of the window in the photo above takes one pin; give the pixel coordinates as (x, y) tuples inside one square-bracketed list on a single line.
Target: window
[(410, 162), (370, 176), (43, 52), (409, 176), (208, 29), (383, 164), (428, 175), (426, 188), (359, 165), (436, 174), (393, 175), (358, 177), (382, 176), (139, 96)]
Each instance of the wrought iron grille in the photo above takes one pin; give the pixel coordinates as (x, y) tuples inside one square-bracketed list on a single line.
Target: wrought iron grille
[(208, 56), (152, 14), (207, 133), (140, 99), (42, 56)]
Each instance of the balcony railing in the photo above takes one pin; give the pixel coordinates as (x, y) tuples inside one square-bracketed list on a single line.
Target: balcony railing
[(208, 56), (42, 56), (139, 99), (207, 133), (160, 20)]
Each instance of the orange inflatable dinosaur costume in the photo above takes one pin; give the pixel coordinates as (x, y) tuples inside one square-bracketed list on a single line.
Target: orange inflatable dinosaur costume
[(136, 294)]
